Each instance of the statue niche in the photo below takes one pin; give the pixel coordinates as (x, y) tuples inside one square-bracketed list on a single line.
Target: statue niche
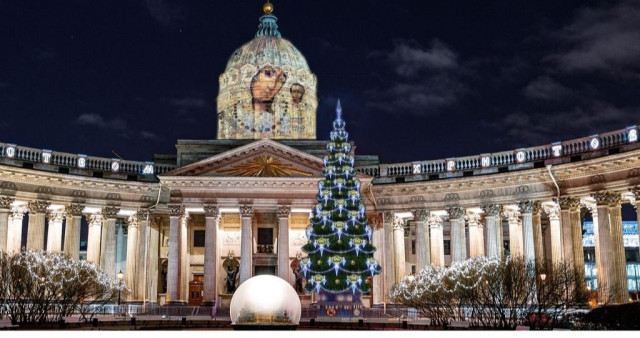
[(231, 266)]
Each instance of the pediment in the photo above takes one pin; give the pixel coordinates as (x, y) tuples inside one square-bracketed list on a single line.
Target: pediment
[(262, 158)]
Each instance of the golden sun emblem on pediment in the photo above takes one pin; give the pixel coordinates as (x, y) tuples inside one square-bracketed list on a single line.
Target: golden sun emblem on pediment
[(264, 166)]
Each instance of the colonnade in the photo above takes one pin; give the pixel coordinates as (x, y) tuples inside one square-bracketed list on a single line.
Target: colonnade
[(177, 274), (141, 269), (484, 227)]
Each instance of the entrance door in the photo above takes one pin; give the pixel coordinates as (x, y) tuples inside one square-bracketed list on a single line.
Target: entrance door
[(264, 270), (196, 290)]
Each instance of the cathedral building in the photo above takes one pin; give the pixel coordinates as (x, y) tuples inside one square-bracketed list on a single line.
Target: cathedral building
[(190, 227)]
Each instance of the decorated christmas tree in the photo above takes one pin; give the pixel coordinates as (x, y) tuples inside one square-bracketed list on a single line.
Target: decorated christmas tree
[(339, 251)]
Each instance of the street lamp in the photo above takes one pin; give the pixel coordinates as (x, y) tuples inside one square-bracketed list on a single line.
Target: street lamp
[(120, 276)]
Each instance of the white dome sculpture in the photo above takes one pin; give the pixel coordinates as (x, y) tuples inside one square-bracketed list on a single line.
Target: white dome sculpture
[(265, 300)]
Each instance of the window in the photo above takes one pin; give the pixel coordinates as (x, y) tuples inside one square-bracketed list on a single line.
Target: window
[(265, 236), (447, 247), (589, 255), (413, 270), (632, 255), (413, 247), (198, 238), (506, 247)]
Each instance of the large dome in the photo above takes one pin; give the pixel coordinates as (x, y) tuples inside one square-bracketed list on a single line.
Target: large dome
[(265, 300), (267, 90)]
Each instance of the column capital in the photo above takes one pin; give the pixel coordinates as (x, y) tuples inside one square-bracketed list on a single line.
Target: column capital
[(537, 206), (211, 210), (38, 207), (284, 211), (398, 223), (246, 210), (110, 212), (569, 203), (176, 210), (57, 216), (133, 221), (95, 219), (420, 215), (434, 221), (512, 215), (387, 217), (18, 211), (608, 198), (375, 220), (5, 202), (492, 210), (143, 214), (473, 218), (526, 207), (553, 210), (74, 209), (455, 212), (636, 193)]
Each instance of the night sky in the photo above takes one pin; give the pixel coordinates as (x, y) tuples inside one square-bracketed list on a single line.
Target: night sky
[(418, 80)]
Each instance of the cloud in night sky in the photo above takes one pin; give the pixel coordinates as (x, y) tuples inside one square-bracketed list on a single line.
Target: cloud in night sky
[(605, 39), (542, 128), (98, 121), (164, 12), (425, 79), (545, 88)]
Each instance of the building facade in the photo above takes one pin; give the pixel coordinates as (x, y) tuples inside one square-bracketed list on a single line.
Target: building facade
[(189, 227)]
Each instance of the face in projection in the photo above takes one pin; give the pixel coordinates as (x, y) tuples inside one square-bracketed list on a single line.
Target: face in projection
[(264, 87)]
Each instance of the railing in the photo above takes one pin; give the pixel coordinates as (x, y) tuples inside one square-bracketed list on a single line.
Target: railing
[(506, 158), (80, 161), (431, 167)]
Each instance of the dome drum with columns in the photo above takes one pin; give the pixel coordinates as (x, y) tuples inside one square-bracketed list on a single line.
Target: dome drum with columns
[(170, 225)]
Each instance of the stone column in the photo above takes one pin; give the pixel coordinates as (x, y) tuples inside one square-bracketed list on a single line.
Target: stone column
[(538, 240), (142, 246), (609, 212), (375, 222), (152, 263), (5, 210), (493, 228), (566, 203), (14, 238), (458, 236), (555, 232), (636, 203), (35, 230), (246, 243), (94, 238), (602, 239), (211, 214), (515, 233), (284, 212), (574, 225), (72, 230), (132, 259), (437, 240), (528, 241), (173, 265), (54, 234), (108, 255), (423, 256), (185, 257), (476, 241), (398, 249), (388, 266)]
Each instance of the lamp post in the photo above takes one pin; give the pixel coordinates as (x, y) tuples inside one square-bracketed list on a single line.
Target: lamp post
[(120, 276)]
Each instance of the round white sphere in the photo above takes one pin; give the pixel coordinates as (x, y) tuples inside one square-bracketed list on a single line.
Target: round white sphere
[(265, 299)]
